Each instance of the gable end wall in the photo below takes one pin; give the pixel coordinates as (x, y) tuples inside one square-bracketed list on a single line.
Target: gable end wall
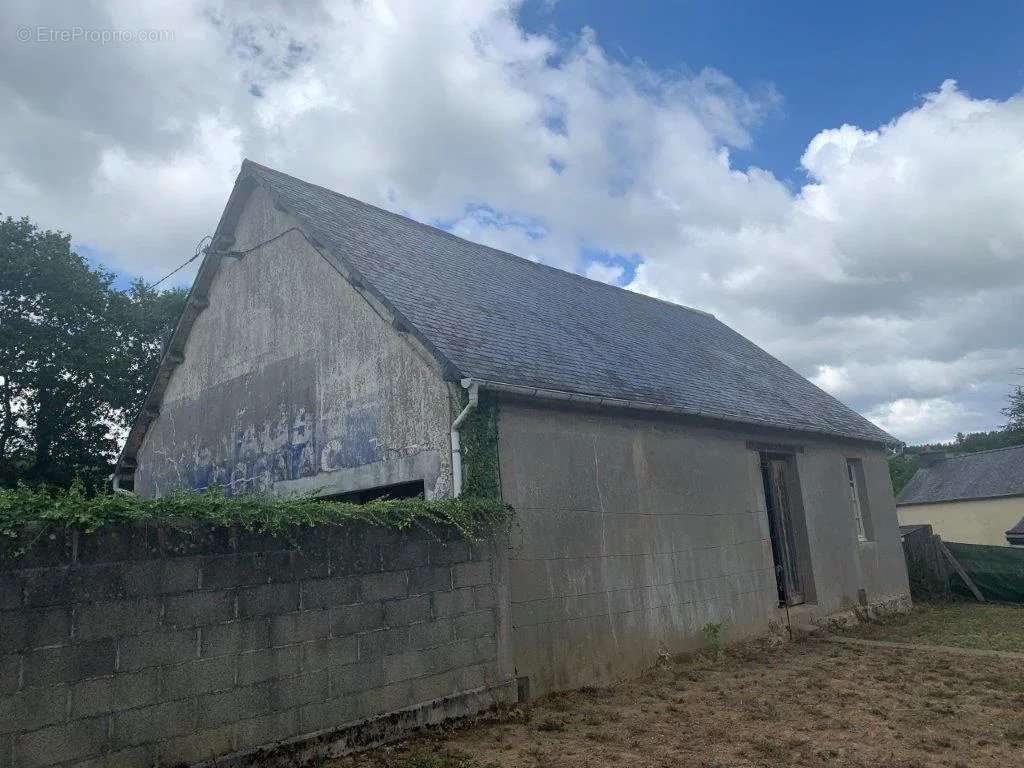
[(293, 381)]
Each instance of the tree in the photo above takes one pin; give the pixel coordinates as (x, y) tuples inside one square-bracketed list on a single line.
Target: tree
[(76, 355), (1014, 411)]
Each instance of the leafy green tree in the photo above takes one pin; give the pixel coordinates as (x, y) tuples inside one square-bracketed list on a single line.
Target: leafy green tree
[(1014, 411), (75, 356), (902, 468)]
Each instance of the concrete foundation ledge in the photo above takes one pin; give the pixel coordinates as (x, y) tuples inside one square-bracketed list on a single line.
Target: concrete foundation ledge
[(885, 606), (313, 748)]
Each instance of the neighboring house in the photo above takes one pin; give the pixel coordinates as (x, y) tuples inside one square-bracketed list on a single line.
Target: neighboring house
[(665, 472), (976, 498)]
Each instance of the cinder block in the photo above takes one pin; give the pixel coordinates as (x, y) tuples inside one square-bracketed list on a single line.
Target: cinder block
[(430, 579), (383, 586), (452, 656), (406, 666), (470, 625), (117, 618), (434, 687), (235, 637), (267, 600), (333, 713), (401, 612), (448, 552), (197, 608), (357, 553), (353, 678), (160, 721), (60, 743), (475, 677), (234, 705), (329, 593), (46, 586), (68, 663), (431, 633), (10, 674), (200, 676), (118, 543), (225, 571), (144, 756), (334, 652), (291, 692), (114, 693), (404, 551), (390, 698), (153, 578), (265, 730), (481, 550), (70, 584), (472, 574), (299, 627), (157, 649), (10, 591), (256, 666), (485, 649), (196, 538), (383, 642), (453, 603), (310, 564), (485, 596), (24, 629), (204, 745), (350, 619), (33, 709)]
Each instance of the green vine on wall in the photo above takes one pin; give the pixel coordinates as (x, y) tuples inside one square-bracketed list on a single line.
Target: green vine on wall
[(28, 515), (479, 437)]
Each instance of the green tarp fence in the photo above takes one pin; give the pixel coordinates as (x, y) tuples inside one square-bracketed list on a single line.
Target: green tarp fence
[(997, 572)]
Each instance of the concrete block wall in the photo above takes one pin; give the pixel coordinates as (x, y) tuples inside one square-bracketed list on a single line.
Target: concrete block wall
[(633, 532), (143, 646)]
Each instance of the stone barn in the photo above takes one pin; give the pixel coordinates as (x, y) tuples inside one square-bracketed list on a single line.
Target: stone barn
[(665, 472)]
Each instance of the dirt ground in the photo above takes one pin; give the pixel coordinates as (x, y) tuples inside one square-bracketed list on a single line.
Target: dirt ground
[(811, 703)]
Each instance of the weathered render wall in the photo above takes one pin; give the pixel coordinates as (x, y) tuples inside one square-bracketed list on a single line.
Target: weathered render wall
[(145, 646), (632, 533), (981, 521), (291, 380)]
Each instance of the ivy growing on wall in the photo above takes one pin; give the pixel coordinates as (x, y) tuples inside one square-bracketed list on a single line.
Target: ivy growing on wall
[(479, 436), (29, 514)]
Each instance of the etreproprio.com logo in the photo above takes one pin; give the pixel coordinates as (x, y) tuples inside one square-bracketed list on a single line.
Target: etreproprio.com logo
[(97, 35)]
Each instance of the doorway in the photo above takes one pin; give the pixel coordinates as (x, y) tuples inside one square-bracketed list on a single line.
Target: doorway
[(780, 487)]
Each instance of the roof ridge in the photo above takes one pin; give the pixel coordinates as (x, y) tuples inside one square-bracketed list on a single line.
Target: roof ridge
[(987, 450), (563, 273)]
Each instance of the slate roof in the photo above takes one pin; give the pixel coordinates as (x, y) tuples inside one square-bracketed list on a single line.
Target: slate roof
[(494, 316), (982, 475)]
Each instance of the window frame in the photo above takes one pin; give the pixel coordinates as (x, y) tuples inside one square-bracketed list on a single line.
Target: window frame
[(858, 505)]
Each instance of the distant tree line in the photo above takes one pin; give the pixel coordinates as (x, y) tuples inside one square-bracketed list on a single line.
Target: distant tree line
[(77, 356), (902, 468)]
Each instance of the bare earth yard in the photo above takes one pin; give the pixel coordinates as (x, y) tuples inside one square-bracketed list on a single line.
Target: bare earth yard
[(811, 703)]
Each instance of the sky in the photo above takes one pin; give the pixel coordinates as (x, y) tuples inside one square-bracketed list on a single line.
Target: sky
[(839, 183)]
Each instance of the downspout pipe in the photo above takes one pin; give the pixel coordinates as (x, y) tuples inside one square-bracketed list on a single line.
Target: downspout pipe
[(474, 400)]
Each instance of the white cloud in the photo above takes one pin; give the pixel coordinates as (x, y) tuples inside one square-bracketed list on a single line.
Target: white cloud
[(606, 273), (921, 421), (894, 275)]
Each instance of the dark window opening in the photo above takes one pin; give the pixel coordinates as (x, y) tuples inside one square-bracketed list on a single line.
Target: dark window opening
[(411, 490)]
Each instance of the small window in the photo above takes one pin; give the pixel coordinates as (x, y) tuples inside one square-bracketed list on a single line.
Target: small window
[(854, 478)]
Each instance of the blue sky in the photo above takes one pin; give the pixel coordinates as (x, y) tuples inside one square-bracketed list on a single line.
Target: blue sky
[(831, 63)]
